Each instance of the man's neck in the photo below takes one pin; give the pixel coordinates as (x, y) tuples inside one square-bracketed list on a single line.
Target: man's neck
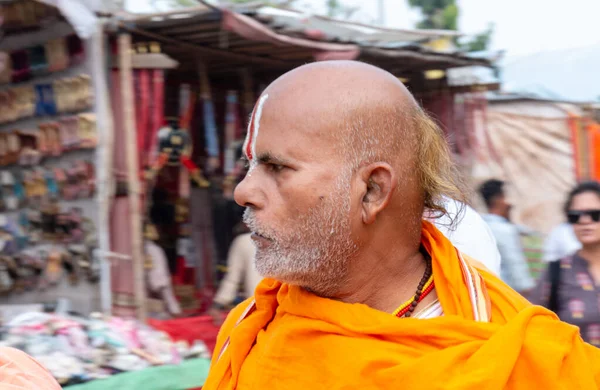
[(384, 279)]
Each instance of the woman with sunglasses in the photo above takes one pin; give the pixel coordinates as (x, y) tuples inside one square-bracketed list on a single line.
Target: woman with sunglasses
[(571, 286)]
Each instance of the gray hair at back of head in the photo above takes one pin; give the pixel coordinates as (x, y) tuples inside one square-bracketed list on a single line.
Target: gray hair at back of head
[(390, 132)]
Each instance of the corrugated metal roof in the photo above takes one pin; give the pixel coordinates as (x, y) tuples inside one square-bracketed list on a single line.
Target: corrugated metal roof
[(281, 38)]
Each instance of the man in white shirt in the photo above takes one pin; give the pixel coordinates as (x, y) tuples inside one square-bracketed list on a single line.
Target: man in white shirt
[(514, 268), (470, 234)]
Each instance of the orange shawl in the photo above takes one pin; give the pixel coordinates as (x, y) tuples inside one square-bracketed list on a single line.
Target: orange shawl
[(489, 338)]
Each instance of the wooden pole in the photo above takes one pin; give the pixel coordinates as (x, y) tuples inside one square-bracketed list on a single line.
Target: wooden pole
[(104, 161), (132, 173)]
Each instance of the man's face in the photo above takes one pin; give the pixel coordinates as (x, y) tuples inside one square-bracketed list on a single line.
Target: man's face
[(298, 199), (503, 206)]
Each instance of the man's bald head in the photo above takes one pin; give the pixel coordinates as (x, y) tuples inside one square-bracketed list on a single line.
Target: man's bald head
[(363, 108)]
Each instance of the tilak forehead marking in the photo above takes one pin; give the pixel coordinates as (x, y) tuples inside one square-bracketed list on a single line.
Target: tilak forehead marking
[(253, 128)]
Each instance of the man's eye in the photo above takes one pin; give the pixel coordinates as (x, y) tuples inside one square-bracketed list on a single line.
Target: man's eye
[(275, 167)]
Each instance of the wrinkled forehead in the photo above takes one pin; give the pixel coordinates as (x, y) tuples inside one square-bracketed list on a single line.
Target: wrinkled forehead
[(290, 129)]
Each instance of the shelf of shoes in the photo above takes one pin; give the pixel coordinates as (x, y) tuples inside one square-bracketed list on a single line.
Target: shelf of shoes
[(31, 61), (25, 16)]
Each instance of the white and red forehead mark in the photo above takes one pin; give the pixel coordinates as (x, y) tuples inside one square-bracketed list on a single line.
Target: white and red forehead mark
[(253, 128)]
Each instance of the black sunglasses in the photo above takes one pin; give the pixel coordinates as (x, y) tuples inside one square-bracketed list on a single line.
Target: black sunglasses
[(574, 216)]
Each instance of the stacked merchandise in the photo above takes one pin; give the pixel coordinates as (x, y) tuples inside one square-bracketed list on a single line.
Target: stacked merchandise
[(26, 14), (41, 248), (47, 140), (77, 350)]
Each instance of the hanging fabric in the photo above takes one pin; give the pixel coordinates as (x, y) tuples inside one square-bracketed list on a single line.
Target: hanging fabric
[(231, 129), (142, 89)]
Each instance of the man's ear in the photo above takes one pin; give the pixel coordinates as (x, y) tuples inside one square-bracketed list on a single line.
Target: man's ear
[(380, 180)]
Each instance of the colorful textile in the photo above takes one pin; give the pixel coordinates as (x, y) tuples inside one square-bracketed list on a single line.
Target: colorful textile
[(489, 337)]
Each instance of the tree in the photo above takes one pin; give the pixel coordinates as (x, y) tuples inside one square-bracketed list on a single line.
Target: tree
[(479, 42), (437, 14), (443, 15)]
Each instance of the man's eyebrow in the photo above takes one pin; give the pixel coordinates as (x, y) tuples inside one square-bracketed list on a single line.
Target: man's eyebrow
[(270, 158)]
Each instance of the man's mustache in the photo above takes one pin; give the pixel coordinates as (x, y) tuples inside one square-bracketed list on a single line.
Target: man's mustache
[(254, 226)]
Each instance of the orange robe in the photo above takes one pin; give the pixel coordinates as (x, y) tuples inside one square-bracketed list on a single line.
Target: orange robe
[(488, 338), (18, 371)]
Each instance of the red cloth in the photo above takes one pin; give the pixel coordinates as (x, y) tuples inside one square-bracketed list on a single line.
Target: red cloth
[(189, 329)]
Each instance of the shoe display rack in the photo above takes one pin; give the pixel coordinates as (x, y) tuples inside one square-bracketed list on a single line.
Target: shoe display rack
[(47, 153)]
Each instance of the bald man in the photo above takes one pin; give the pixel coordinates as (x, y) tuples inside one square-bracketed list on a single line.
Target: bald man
[(360, 291)]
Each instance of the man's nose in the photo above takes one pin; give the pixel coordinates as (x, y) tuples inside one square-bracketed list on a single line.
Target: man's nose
[(248, 192)]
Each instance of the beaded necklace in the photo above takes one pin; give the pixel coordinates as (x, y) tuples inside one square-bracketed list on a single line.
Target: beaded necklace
[(426, 285)]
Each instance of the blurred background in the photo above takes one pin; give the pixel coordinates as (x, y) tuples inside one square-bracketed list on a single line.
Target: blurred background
[(121, 126)]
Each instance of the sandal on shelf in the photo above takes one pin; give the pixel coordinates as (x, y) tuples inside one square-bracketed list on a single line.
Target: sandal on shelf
[(61, 179), (54, 269), (19, 189), (5, 68), (42, 138), (38, 60), (56, 52), (3, 150), (24, 101), (51, 184), (39, 100), (13, 143), (83, 92), (29, 153), (49, 103), (53, 136), (60, 87), (8, 106), (70, 188), (21, 70), (75, 49), (69, 132), (87, 130)]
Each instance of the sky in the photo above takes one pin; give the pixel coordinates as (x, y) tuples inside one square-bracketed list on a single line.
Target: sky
[(522, 26)]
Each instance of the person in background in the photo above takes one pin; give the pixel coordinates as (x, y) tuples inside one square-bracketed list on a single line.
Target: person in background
[(570, 286), (469, 233), (560, 242), (240, 272), (513, 267)]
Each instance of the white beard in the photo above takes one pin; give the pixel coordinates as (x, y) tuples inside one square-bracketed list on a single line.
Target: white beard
[(313, 250)]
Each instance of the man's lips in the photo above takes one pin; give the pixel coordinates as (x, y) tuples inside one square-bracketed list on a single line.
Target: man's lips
[(258, 235)]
